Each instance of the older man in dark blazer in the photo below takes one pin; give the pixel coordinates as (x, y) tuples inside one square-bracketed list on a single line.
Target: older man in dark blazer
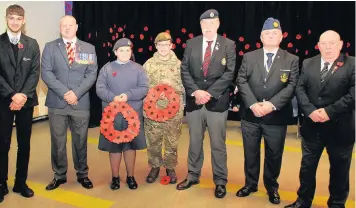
[(326, 96), (266, 81), (207, 69), (19, 75)]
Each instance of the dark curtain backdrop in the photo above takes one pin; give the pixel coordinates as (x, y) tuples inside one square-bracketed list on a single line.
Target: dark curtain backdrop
[(102, 23)]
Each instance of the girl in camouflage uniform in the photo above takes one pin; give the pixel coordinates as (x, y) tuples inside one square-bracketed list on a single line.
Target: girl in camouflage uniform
[(163, 68)]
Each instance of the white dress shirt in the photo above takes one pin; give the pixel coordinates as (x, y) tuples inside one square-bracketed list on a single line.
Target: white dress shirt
[(73, 42), (205, 44), (266, 57), (322, 64), (12, 36)]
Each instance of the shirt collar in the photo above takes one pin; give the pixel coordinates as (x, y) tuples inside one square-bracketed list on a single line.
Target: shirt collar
[(274, 51), (73, 41), (120, 62), (11, 35), (322, 63)]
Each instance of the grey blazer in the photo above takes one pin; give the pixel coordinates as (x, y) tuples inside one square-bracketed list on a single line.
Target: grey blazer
[(61, 78)]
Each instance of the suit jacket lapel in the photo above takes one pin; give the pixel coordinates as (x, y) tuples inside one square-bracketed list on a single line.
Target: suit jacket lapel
[(317, 70), (8, 49), (200, 51), (62, 47), (217, 46), (330, 72), (23, 42), (200, 54), (277, 63), (260, 62)]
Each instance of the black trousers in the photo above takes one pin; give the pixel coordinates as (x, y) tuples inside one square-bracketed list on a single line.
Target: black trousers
[(274, 138), (340, 156), (23, 120)]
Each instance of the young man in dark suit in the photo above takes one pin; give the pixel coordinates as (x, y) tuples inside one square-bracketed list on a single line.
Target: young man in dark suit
[(207, 69), (326, 96), (19, 75), (266, 81)]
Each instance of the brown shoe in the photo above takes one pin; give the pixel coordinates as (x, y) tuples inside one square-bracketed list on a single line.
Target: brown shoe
[(152, 175), (172, 175)]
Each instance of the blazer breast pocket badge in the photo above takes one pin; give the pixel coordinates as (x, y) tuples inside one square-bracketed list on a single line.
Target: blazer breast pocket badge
[(84, 58), (284, 77), (223, 61)]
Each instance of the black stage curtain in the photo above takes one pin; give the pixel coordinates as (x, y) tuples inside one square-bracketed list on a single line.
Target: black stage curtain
[(102, 23)]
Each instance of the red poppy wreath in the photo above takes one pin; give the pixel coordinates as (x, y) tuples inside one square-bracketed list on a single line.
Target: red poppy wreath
[(107, 123), (155, 113)]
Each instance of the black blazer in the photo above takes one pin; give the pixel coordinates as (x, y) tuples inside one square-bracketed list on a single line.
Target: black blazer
[(220, 73), (336, 95), (279, 87), (21, 75)]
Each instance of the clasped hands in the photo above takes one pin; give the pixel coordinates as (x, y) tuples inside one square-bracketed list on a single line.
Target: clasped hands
[(71, 98), (121, 98), (201, 97), (262, 108), (18, 101), (319, 116)]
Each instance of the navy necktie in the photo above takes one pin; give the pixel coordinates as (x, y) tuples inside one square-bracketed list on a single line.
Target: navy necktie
[(269, 60)]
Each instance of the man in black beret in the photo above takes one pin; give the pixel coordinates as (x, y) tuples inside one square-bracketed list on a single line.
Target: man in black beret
[(207, 70)]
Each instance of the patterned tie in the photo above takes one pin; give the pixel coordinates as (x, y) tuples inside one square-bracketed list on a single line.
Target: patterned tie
[(324, 71), (14, 40), (269, 60), (207, 57), (70, 52)]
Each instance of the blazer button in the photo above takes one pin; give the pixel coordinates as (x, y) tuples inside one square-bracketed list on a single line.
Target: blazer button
[(204, 80), (319, 98)]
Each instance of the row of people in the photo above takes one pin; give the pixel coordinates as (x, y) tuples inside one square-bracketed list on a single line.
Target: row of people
[(267, 81)]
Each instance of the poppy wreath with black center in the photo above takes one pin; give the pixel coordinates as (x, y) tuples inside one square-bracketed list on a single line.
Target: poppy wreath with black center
[(107, 123)]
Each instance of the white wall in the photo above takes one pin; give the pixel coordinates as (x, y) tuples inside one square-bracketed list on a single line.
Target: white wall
[(42, 23)]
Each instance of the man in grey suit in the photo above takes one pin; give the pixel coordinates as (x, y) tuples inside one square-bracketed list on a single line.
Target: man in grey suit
[(207, 69), (266, 80), (69, 69)]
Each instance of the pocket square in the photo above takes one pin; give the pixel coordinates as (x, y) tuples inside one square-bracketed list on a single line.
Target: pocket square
[(285, 70), (26, 59)]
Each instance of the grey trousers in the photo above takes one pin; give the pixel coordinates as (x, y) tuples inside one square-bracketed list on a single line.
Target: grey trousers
[(198, 120), (78, 121)]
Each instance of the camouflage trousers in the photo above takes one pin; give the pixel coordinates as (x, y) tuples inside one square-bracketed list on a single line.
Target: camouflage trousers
[(167, 133)]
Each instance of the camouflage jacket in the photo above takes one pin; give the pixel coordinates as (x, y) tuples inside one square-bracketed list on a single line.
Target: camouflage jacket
[(165, 72)]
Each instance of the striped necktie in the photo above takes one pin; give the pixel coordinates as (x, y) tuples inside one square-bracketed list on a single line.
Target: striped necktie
[(324, 71), (70, 52), (207, 57)]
